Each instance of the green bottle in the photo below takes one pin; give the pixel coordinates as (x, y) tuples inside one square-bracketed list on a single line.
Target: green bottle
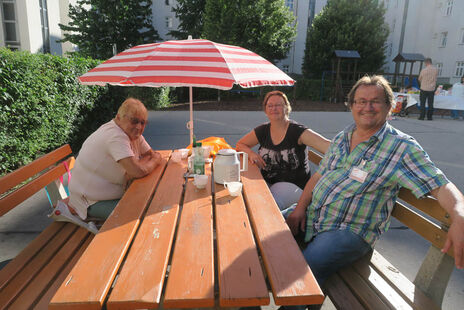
[(198, 159)]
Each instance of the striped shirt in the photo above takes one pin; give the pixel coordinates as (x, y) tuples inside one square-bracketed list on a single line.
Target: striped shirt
[(428, 78), (391, 160)]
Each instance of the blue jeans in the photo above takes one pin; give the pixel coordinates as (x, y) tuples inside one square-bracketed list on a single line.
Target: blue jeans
[(285, 194), (102, 209), (331, 250)]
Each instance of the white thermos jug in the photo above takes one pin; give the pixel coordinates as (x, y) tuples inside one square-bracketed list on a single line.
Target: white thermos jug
[(226, 166)]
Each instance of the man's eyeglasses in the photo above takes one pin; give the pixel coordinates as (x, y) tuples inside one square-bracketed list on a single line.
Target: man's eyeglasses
[(363, 103), (134, 121), (274, 106)]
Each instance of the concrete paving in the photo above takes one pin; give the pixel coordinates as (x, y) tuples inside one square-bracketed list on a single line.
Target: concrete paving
[(442, 138)]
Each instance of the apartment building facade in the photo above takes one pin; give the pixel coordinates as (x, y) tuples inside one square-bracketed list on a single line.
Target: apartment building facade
[(32, 25), (433, 28)]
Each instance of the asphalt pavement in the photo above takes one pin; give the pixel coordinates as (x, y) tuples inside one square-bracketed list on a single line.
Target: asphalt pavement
[(442, 139)]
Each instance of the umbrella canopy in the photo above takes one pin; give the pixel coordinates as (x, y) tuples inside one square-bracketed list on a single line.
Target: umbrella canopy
[(193, 63)]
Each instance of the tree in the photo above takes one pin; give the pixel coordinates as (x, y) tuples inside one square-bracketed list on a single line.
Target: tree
[(347, 25), (190, 14), (266, 27), (98, 24)]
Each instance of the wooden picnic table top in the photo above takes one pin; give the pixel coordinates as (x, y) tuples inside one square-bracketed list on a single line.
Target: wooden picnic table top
[(170, 244)]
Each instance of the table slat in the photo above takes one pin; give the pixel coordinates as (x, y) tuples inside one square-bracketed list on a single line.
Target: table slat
[(241, 279), (140, 282), (291, 279), (88, 283), (191, 278)]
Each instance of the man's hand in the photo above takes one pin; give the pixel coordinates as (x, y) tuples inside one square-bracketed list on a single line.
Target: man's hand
[(455, 239), (296, 221), (452, 200)]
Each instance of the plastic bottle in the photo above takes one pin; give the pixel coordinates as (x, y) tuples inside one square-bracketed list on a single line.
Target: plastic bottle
[(198, 159)]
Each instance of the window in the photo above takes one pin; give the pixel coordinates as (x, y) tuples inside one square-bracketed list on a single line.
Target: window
[(459, 69), (390, 49), (461, 36), (448, 7), (443, 38), (168, 22), (439, 68), (167, 2), (44, 25), (285, 68), (10, 25), (289, 4), (393, 25)]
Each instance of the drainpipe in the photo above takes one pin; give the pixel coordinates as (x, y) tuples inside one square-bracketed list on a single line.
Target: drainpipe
[(403, 28)]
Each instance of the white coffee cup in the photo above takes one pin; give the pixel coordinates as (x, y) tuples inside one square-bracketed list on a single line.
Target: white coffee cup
[(184, 152), (176, 156), (200, 180), (234, 188)]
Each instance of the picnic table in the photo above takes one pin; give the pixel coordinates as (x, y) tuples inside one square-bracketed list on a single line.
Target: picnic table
[(168, 244)]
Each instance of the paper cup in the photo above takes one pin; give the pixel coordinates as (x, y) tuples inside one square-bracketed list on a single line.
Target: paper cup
[(200, 181), (176, 157), (234, 188)]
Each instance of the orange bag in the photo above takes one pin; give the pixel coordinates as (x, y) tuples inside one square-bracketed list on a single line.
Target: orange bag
[(216, 143)]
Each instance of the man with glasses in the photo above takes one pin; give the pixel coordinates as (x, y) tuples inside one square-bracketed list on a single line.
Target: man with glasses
[(109, 159), (346, 205)]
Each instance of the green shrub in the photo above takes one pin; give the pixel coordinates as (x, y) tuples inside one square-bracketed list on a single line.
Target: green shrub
[(43, 106)]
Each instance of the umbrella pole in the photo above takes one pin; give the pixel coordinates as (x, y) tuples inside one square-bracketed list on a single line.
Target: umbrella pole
[(191, 114)]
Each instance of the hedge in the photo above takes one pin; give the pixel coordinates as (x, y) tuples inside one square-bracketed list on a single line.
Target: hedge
[(43, 106)]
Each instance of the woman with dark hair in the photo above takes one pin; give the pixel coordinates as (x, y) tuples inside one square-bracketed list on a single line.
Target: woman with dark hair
[(282, 155)]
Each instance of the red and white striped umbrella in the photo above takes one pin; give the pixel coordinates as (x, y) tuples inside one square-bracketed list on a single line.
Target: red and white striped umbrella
[(197, 63)]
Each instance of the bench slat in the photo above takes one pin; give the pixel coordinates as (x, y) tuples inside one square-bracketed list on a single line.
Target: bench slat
[(141, 279), (340, 294), (428, 205), (18, 263), (28, 273), (36, 287), (362, 290), (424, 227), (12, 200), (241, 279), (291, 279), (191, 278), (403, 286), (21, 174), (45, 299), (100, 262), (378, 284)]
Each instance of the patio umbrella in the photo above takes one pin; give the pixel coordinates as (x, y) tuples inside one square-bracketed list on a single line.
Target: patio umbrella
[(192, 63)]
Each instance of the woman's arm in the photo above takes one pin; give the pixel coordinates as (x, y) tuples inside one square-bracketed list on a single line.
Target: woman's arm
[(314, 140), (246, 143)]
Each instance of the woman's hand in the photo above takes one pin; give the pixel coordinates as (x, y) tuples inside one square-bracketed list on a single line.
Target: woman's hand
[(296, 221), (256, 159)]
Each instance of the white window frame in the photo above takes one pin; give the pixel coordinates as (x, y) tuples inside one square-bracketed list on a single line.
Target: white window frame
[(285, 68), (439, 66), (448, 7), (461, 36), (459, 69), (289, 4), (10, 44), (443, 39), (169, 21)]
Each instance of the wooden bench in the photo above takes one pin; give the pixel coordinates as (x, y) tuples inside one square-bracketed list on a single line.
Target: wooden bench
[(34, 275), (374, 283)]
